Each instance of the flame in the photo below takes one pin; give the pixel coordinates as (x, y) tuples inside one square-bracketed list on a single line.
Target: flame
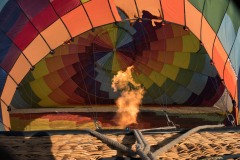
[(130, 99)]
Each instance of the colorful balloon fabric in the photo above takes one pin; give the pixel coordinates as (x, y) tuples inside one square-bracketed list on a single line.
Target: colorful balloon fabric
[(63, 53), (169, 62)]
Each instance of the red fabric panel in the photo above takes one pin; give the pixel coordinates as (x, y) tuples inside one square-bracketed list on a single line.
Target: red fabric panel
[(158, 45), (40, 12), (10, 58), (64, 6), (165, 32), (54, 66), (22, 32), (69, 88), (70, 59)]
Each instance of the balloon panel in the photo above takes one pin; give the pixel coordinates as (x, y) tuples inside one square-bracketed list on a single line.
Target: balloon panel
[(168, 62)]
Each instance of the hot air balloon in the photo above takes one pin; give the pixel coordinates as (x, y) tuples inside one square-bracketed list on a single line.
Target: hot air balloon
[(65, 53)]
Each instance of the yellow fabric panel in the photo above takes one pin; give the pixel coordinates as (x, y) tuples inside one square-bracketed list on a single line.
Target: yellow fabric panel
[(115, 63), (40, 88), (170, 71), (52, 36), (38, 124), (190, 43), (8, 90), (47, 102), (182, 60), (84, 1), (41, 70), (20, 69), (36, 50), (136, 77), (5, 117), (145, 81), (113, 36), (157, 78)]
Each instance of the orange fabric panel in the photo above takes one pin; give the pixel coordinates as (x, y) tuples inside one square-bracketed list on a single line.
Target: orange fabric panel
[(58, 64), (59, 96), (219, 57), (173, 11), (8, 90), (230, 79), (193, 19), (157, 66), (114, 10), (36, 50), (208, 36), (56, 34), (128, 6), (174, 44), (53, 80), (99, 15), (167, 57), (77, 21), (5, 117), (20, 69), (143, 68), (152, 6)]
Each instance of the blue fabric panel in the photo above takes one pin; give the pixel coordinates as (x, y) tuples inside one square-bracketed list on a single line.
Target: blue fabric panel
[(9, 15), (227, 33), (3, 77), (2, 4), (235, 55), (5, 45)]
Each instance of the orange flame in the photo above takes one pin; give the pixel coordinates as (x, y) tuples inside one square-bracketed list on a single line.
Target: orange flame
[(130, 99)]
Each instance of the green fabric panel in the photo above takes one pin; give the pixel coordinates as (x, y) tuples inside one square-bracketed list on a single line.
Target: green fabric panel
[(202, 50), (154, 91), (234, 13), (198, 4), (29, 77), (28, 95), (214, 12), (170, 87), (184, 77), (197, 63), (108, 64)]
